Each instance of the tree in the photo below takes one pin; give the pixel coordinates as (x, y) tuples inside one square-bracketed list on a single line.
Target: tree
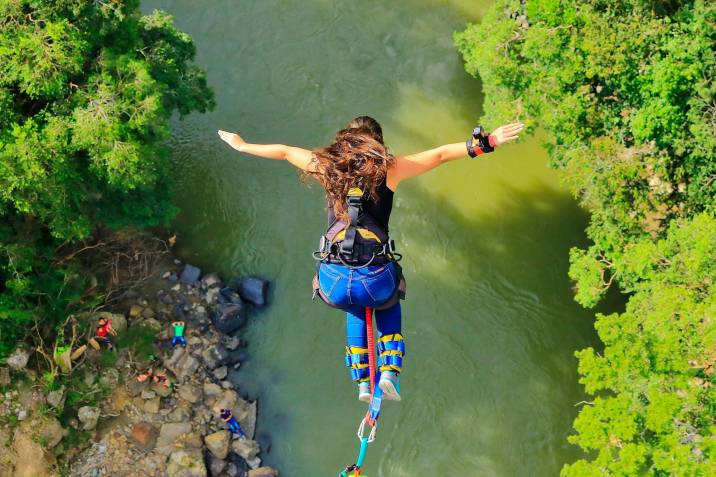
[(626, 94), (86, 93)]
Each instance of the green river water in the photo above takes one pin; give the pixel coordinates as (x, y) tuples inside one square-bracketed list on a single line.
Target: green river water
[(490, 381)]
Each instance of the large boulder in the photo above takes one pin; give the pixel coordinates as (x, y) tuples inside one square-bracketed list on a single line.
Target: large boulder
[(215, 356), (18, 359), (88, 417), (237, 466), (50, 432), (218, 443), (254, 290), (182, 363), (119, 321), (189, 274), (246, 415), (172, 431), (214, 465), (246, 448), (229, 317), (186, 463), (190, 392)]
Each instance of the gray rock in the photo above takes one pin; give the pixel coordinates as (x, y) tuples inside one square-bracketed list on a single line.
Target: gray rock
[(263, 472), (135, 388), (229, 318), (179, 414), (210, 280), (245, 448), (190, 392), (211, 390), (221, 372), (254, 290), (218, 443), (212, 296), (56, 398), (237, 466), (215, 356), (88, 416), (119, 321), (246, 415), (186, 463), (171, 431), (232, 342), (153, 405), (51, 432), (18, 359), (22, 414), (182, 363), (148, 394), (190, 274), (228, 295), (215, 465)]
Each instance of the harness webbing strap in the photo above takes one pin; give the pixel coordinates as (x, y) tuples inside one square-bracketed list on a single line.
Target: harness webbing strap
[(355, 205)]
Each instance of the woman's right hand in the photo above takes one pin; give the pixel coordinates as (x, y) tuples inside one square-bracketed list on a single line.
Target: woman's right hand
[(233, 140), (506, 133)]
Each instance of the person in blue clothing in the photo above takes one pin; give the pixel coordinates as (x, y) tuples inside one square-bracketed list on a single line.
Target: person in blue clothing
[(231, 422), (357, 261)]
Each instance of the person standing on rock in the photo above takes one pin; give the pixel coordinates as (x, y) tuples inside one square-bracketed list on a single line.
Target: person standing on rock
[(357, 262)]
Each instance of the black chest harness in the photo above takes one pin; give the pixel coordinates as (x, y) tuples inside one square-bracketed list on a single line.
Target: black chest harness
[(359, 243)]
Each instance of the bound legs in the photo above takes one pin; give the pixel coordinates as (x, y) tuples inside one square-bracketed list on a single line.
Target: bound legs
[(390, 347)]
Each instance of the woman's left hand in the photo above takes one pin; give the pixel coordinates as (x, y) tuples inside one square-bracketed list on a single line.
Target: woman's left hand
[(506, 133)]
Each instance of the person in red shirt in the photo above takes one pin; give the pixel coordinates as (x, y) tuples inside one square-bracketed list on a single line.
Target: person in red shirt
[(104, 329)]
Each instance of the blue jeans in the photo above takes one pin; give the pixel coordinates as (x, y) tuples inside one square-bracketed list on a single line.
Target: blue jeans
[(179, 340), (356, 289), (234, 427)]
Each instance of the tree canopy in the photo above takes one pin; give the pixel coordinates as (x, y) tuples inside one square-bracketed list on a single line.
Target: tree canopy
[(86, 93), (625, 90)]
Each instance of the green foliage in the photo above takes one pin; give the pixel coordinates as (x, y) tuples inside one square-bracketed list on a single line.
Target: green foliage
[(139, 339), (86, 93), (626, 94), (655, 377)]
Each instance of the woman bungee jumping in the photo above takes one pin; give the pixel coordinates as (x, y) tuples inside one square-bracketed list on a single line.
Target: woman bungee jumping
[(357, 265)]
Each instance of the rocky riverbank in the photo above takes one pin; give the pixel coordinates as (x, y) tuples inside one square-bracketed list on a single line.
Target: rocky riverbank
[(147, 428)]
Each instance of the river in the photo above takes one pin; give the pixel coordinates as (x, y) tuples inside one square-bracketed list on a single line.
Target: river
[(490, 381)]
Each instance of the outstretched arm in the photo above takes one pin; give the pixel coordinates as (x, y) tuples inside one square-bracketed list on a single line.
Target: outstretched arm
[(417, 164), (301, 158)]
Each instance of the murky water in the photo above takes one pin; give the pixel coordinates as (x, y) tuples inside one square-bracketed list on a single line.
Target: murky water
[(490, 381)]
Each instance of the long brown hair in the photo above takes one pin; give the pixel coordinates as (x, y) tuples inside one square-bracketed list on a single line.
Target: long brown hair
[(357, 157)]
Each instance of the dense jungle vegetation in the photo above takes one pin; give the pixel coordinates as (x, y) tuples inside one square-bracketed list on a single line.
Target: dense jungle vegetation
[(625, 90), (86, 93)]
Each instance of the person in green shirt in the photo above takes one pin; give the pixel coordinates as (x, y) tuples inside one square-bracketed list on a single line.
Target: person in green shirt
[(178, 334)]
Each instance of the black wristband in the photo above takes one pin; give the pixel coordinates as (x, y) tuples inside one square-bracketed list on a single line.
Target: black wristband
[(482, 138)]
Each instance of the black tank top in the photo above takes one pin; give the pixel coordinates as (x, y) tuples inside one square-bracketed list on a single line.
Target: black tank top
[(379, 209)]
